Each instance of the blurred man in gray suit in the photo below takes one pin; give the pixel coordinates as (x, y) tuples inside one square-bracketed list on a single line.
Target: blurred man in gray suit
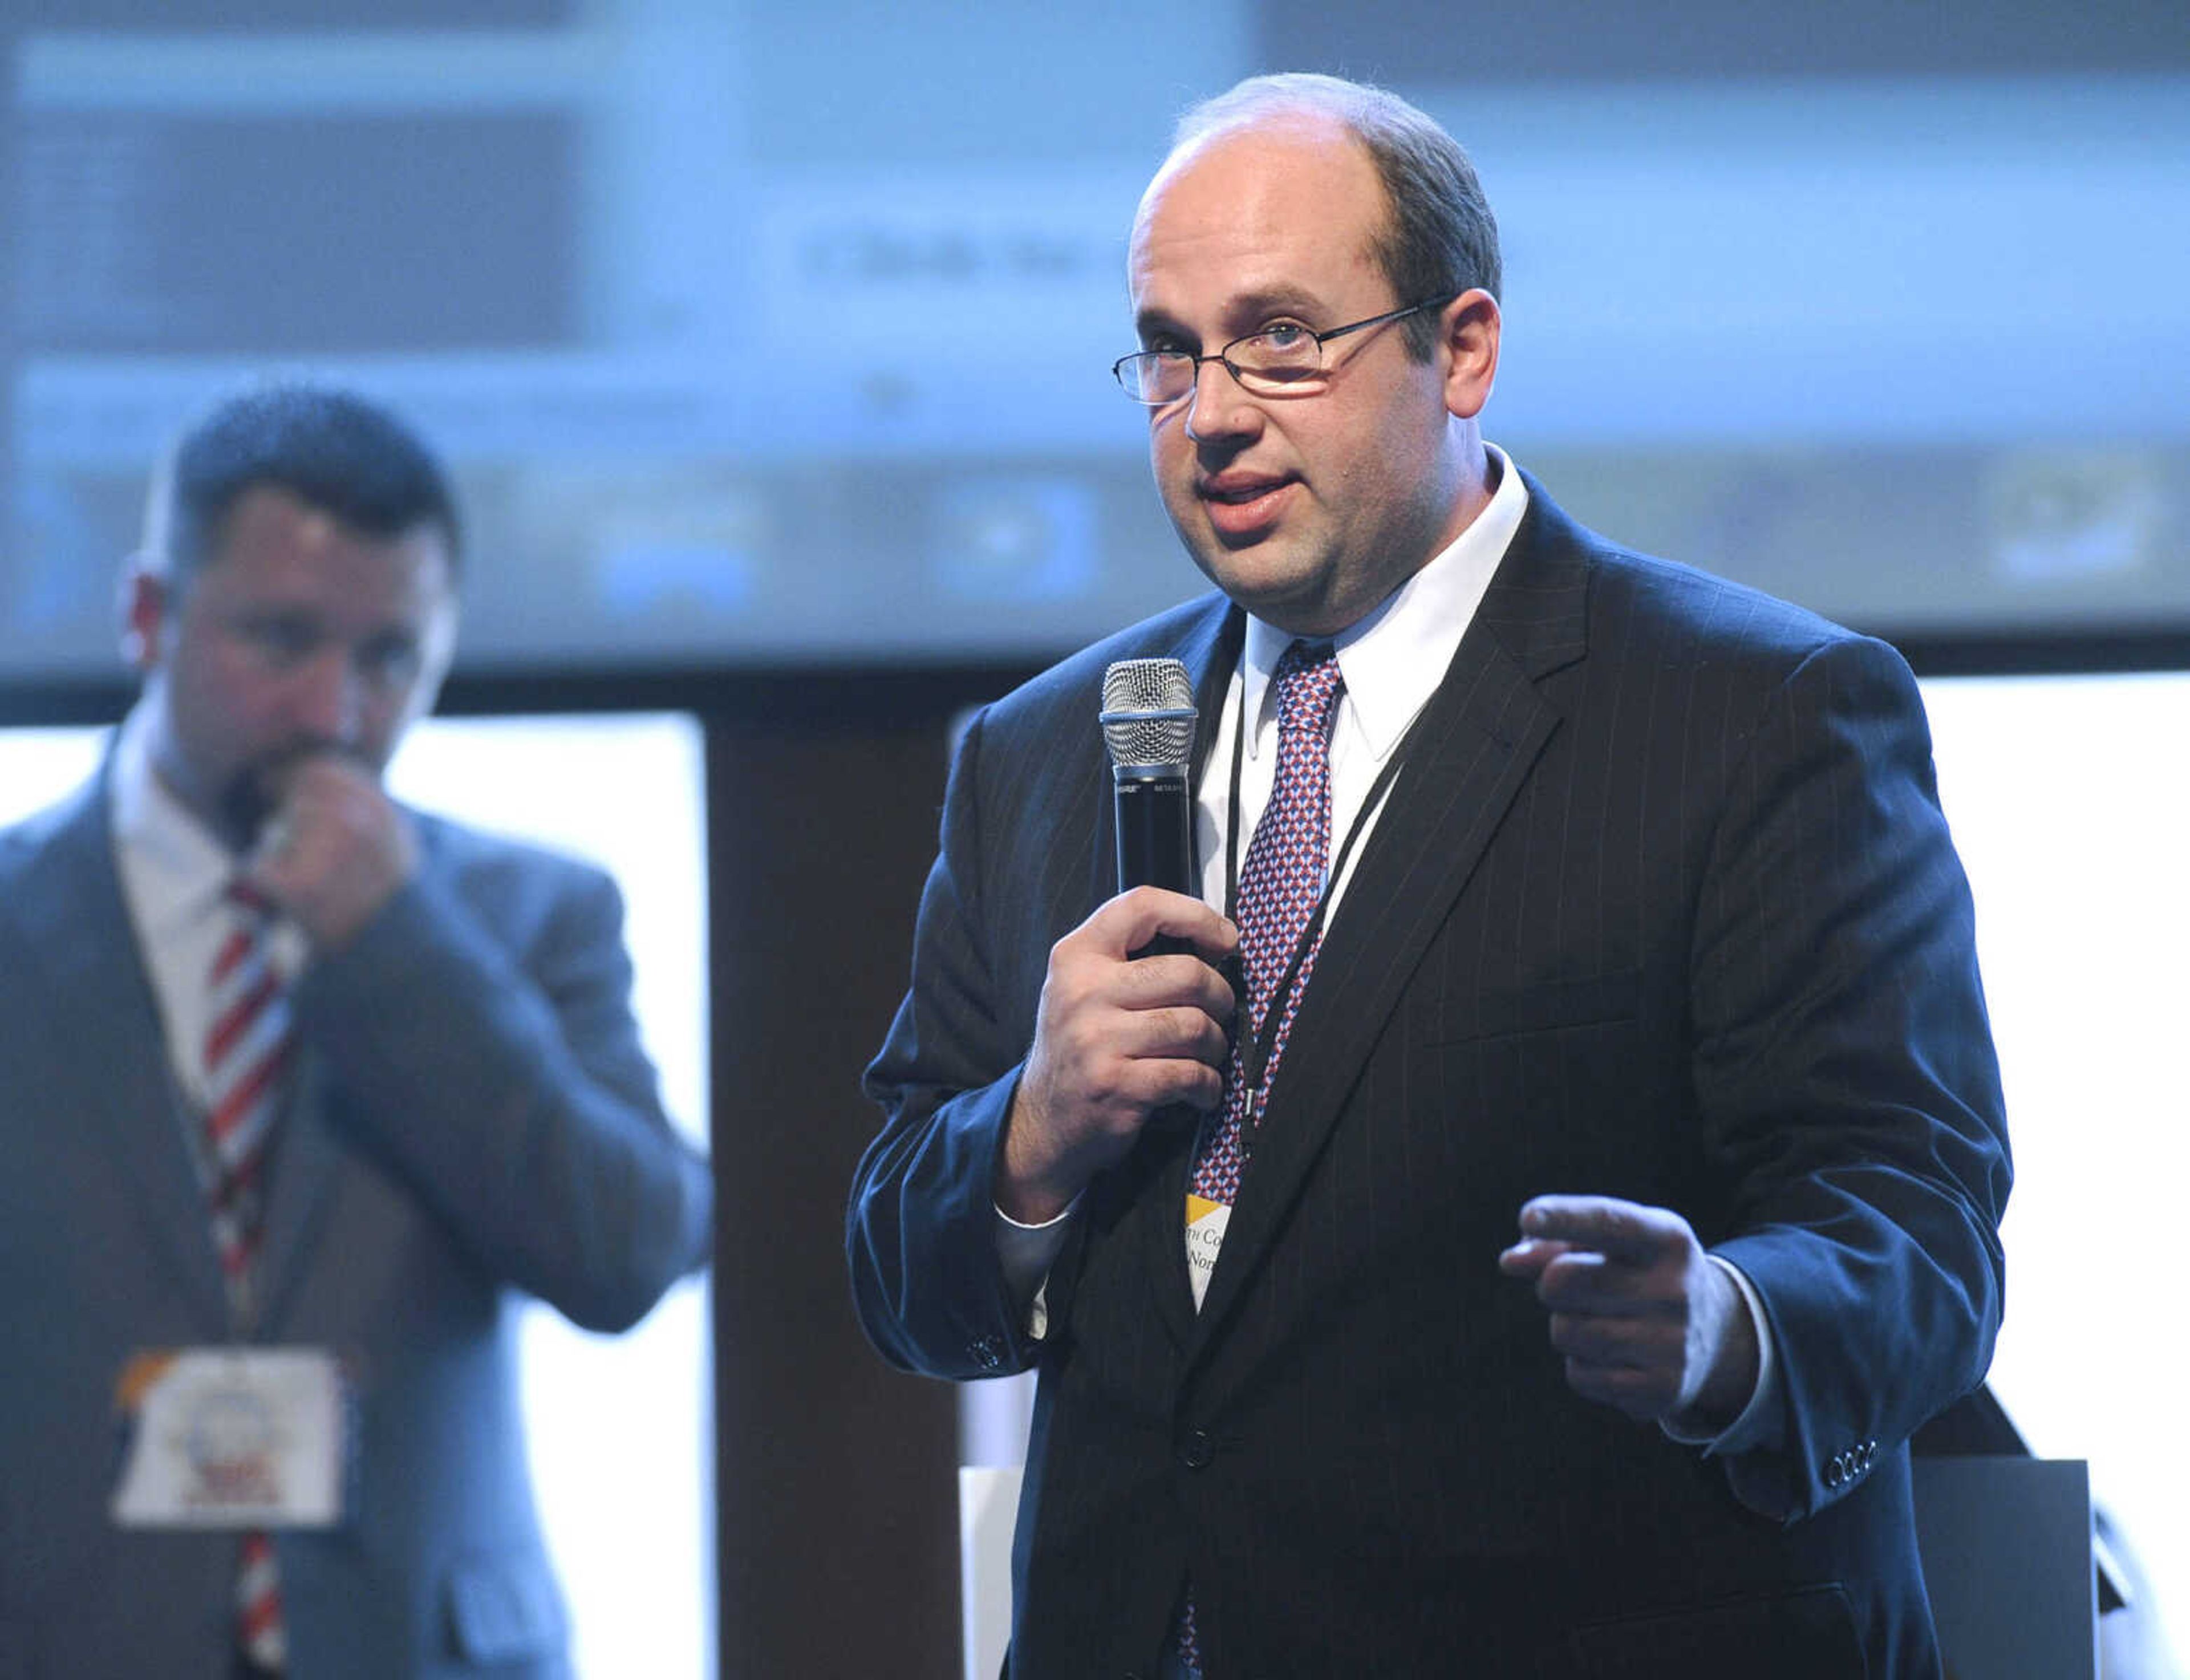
[(1539, 1270), (301, 1092)]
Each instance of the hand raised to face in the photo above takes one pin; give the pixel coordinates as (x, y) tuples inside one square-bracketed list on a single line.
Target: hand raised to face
[(335, 849)]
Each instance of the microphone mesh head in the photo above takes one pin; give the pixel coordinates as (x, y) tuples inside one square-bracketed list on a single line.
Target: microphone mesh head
[(1148, 711)]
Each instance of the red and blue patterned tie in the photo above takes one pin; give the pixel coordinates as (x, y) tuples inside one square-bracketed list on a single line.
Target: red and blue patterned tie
[(1280, 885), (246, 1061)]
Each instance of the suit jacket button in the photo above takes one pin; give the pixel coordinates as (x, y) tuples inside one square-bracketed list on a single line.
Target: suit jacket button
[(1197, 1449), (986, 1354)]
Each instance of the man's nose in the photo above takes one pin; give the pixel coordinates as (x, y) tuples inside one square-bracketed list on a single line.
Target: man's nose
[(327, 700), (1219, 407)]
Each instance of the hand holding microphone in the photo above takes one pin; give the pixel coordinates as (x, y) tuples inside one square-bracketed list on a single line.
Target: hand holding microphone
[(1133, 1009)]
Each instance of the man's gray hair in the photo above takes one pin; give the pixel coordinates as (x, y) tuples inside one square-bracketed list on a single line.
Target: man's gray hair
[(1440, 239)]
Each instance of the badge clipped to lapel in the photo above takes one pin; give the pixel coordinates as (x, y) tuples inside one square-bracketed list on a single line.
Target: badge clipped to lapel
[(232, 1438)]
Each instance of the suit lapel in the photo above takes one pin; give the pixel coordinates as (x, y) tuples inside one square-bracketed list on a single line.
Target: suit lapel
[(123, 1096), (1477, 740), (1211, 656), (304, 1168)]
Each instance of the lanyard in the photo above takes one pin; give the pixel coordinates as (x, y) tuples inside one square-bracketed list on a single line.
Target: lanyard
[(1255, 1061)]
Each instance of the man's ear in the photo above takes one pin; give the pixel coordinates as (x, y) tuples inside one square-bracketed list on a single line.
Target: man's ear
[(1468, 330), (148, 596)]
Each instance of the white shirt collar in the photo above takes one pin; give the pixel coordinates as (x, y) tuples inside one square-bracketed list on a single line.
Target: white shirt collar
[(173, 870), (1393, 657)]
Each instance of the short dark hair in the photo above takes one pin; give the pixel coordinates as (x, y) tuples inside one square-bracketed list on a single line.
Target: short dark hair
[(1441, 239), (327, 447)]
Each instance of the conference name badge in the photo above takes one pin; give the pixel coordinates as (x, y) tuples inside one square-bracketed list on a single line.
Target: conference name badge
[(1205, 1221), (232, 1438)]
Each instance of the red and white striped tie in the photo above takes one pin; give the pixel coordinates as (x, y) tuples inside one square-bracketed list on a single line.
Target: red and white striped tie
[(246, 1061)]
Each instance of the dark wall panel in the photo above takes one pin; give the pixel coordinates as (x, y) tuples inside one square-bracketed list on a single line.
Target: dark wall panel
[(838, 1478)]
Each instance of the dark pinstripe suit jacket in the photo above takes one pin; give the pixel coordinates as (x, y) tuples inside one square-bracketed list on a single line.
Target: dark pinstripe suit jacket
[(1663, 907)]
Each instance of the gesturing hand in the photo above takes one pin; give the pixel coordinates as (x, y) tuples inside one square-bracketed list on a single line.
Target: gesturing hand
[(335, 849), (1114, 1040), (1647, 1321)]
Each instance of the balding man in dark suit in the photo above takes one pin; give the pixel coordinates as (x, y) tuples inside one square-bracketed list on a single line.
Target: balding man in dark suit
[(1572, 890)]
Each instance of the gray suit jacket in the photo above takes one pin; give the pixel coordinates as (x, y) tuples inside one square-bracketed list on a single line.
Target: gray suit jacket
[(474, 1120)]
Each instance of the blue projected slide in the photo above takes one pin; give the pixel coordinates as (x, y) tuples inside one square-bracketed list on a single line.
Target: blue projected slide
[(763, 334)]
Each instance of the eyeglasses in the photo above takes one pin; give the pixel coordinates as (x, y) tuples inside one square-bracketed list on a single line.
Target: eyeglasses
[(1277, 361)]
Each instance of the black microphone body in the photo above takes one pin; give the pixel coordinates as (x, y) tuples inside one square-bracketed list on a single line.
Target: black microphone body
[(1155, 827), (1147, 722), (1155, 838)]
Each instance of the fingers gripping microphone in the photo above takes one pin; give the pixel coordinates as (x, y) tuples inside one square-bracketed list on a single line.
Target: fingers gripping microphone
[(1148, 720)]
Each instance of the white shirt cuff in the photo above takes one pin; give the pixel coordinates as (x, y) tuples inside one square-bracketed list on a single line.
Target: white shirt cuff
[(1759, 1423), (1026, 1253)]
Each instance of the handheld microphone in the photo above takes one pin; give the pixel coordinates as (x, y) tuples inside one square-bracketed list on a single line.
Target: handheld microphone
[(1148, 720)]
